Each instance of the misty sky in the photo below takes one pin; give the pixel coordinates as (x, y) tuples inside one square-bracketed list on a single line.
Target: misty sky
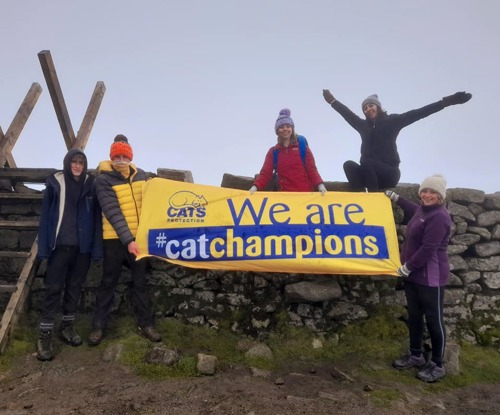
[(197, 85)]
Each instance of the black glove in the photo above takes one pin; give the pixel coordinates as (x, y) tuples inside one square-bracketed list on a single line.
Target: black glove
[(328, 96), (456, 98)]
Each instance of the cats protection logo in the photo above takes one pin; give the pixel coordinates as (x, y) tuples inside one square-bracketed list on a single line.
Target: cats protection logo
[(186, 206)]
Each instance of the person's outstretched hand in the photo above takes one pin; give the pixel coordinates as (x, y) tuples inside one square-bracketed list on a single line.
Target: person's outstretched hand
[(328, 96), (403, 271), (322, 189), (392, 195), (253, 189), (457, 98)]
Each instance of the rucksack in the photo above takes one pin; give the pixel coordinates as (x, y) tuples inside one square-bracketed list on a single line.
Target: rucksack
[(302, 149)]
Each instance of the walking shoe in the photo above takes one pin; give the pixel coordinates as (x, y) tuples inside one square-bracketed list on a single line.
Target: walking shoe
[(431, 372), (408, 361), (95, 337), (44, 346), (67, 334), (150, 333)]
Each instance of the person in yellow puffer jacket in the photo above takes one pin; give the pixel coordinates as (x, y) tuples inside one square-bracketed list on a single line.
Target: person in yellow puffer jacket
[(118, 186)]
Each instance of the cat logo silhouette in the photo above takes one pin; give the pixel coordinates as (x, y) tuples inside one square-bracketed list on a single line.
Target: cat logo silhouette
[(186, 199)]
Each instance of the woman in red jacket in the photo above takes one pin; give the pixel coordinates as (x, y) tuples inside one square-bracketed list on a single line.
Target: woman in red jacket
[(290, 162)]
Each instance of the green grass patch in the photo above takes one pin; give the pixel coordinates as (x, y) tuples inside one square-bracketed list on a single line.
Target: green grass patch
[(17, 348), (372, 345), (22, 342), (368, 348), (480, 363), (188, 340)]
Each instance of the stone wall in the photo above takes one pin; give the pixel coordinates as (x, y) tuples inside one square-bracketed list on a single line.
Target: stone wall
[(258, 302)]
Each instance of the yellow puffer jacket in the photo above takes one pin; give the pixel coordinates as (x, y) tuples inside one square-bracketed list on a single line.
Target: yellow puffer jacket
[(121, 201)]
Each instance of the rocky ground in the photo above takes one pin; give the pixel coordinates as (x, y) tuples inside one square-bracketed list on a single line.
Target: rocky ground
[(80, 381)]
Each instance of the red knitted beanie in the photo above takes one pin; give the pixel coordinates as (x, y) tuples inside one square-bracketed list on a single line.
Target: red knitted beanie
[(121, 147)]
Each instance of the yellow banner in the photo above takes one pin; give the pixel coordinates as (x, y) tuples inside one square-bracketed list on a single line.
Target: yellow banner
[(217, 228)]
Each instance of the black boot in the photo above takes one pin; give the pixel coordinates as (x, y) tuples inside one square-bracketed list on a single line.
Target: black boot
[(150, 333), (44, 346), (67, 334)]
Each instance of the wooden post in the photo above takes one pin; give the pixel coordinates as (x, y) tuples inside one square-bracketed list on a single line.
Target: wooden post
[(8, 140), (90, 116), (17, 299), (49, 71), (80, 141)]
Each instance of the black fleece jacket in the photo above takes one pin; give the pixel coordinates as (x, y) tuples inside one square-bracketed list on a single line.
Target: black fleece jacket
[(378, 137)]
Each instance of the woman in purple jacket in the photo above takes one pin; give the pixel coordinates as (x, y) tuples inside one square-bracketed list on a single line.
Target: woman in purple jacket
[(425, 271)]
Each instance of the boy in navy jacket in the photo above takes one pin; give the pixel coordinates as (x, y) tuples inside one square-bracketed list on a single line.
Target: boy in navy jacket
[(69, 235)]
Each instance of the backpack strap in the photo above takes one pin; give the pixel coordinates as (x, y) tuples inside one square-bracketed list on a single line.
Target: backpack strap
[(302, 148), (275, 160), (275, 169)]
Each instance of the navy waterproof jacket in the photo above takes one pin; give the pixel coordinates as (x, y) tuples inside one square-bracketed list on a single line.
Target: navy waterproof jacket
[(88, 218)]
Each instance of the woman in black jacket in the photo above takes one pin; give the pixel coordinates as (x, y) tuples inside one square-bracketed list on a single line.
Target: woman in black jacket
[(378, 167)]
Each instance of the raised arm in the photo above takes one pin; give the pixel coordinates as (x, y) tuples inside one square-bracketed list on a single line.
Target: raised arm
[(352, 119), (410, 117)]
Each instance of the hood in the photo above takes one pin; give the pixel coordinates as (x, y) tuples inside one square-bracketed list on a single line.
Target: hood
[(67, 162)]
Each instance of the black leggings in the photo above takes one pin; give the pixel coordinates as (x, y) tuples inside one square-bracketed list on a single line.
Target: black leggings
[(426, 301), (371, 174)]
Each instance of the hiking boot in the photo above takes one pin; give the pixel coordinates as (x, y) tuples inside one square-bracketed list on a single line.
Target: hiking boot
[(95, 338), (408, 361), (431, 372), (44, 346), (67, 334), (150, 333)]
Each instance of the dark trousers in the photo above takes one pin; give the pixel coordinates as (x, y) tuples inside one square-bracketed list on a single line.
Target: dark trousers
[(371, 174), (426, 301), (116, 255), (66, 272)]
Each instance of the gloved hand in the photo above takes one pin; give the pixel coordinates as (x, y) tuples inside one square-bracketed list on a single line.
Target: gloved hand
[(392, 195), (328, 96), (456, 98), (253, 189), (403, 271), (322, 189)]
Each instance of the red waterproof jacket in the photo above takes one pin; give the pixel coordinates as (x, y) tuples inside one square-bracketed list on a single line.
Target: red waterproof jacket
[(293, 176)]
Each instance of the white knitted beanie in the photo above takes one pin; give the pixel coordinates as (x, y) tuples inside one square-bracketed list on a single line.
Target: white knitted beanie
[(436, 183)]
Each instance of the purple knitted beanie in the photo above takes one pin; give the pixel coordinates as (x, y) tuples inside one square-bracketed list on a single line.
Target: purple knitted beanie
[(284, 119)]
